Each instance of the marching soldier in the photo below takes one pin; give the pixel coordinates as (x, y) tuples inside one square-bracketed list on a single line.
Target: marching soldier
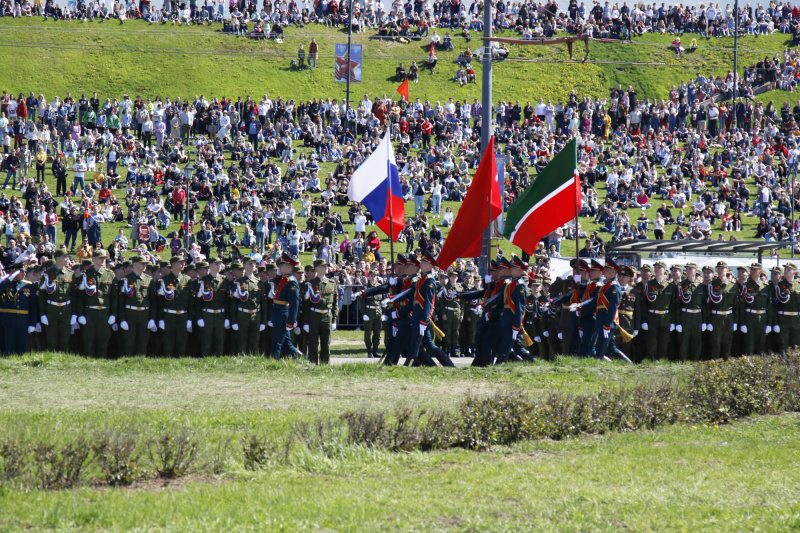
[(95, 304), (575, 300), (755, 316), (323, 312), (787, 305), (404, 305), (471, 313), (136, 308), (209, 307), (608, 299), (513, 300), (691, 294), (535, 321), (475, 297), (629, 311), (424, 299), (173, 295), (493, 313), (245, 309), (659, 295), (284, 308), (563, 286), (552, 319), (587, 329), (722, 296), (55, 303), (18, 312), (370, 308), (450, 311)]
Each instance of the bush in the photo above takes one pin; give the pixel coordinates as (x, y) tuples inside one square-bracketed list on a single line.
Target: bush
[(173, 455), (118, 457), (12, 460), (59, 466), (261, 449)]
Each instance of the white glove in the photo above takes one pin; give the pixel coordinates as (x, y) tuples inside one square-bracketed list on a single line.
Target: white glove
[(776, 329), (201, 323), (384, 318), (635, 332), (31, 329), (124, 325), (366, 318), (537, 338), (743, 329), (297, 329), (679, 328), (644, 326), (189, 326), (269, 323), (487, 278), (768, 330), (704, 327), (514, 334), (161, 324), (385, 302), (573, 307), (151, 325), (546, 333), (580, 333), (333, 327), (227, 324), (560, 335), (606, 332), (422, 328), (710, 327), (235, 327), (43, 320), (393, 281), (82, 320), (111, 320), (736, 327), (394, 331), (73, 320), (672, 327), (262, 327), (73, 329), (39, 327), (306, 328), (115, 327)]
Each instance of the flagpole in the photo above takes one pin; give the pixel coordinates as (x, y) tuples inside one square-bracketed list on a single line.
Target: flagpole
[(577, 246), (391, 211)]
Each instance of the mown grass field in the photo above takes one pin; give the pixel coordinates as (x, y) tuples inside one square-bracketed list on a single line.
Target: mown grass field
[(740, 477)]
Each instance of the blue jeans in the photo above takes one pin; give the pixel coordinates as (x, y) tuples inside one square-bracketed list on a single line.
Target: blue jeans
[(294, 250), (111, 168), (419, 205), (437, 203), (71, 234), (51, 232), (260, 240), (75, 182), (12, 174)]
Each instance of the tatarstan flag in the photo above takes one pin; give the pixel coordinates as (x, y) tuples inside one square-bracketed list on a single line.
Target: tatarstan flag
[(547, 203)]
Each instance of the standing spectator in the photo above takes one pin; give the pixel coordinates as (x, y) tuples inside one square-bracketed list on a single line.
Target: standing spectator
[(313, 50)]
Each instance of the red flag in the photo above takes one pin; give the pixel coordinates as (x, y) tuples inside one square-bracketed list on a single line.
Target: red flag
[(432, 50), (403, 89), (482, 204)]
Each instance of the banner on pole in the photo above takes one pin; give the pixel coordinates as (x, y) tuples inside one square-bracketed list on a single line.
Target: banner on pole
[(342, 70)]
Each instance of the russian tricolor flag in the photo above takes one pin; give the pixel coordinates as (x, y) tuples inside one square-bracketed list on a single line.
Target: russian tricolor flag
[(376, 184)]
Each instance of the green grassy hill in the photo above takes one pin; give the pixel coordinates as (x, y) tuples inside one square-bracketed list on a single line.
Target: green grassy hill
[(137, 58)]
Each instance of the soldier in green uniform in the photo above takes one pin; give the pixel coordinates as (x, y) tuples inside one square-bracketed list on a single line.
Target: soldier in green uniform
[(208, 309), (18, 311), (136, 308), (450, 313), (659, 295), (787, 308), (471, 313), (629, 311), (301, 333), (95, 304), (774, 337), (722, 296), (552, 320), (755, 312), (738, 337), (194, 271), (323, 311), (232, 273), (535, 320), (246, 300), (689, 314), (55, 303), (267, 283), (370, 308), (173, 295), (564, 286)]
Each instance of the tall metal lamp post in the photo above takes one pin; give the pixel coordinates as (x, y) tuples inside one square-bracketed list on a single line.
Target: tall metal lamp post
[(188, 172)]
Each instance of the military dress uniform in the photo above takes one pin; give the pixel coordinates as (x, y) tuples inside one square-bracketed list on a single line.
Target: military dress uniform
[(370, 309), (689, 319), (755, 315), (56, 306), (608, 298), (562, 333), (209, 308), (19, 314), (659, 300), (323, 312), (424, 300), (284, 311), (786, 321), (450, 311), (95, 305), (588, 320), (471, 312), (722, 297), (514, 298), (173, 296), (136, 311), (575, 299), (245, 313), (401, 317), (535, 319), (301, 332), (630, 317)]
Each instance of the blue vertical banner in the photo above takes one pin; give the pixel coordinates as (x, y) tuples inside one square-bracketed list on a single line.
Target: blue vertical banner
[(341, 69)]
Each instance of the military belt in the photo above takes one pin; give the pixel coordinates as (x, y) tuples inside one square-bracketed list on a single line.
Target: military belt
[(721, 312), (281, 302), (692, 311), (789, 313), (756, 311), (214, 311), (14, 311), (248, 311), (97, 307), (174, 311), (373, 307), (58, 304), (658, 311), (320, 311), (628, 313), (134, 308)]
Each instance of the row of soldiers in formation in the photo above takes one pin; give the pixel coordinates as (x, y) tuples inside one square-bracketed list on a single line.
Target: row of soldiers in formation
[(168, 308)]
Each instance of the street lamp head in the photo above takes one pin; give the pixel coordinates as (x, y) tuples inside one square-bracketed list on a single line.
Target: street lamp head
[(188, 172)]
